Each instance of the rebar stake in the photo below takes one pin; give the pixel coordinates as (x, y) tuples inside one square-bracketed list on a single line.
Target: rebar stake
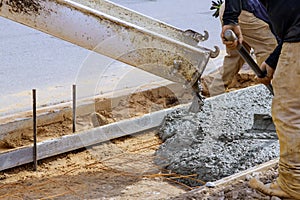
[(34, 130), (74, 107)]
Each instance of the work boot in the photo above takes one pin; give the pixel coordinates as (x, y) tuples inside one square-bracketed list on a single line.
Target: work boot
[(272, 189)]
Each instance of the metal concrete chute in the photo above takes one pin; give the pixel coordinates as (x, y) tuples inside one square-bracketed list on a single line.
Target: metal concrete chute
[(102, 27), (188, 36)]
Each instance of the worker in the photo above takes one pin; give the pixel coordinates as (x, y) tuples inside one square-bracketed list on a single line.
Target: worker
[(283, 70), (257, 34)]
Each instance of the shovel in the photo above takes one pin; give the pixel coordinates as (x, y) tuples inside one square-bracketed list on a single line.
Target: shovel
[(261, 122)]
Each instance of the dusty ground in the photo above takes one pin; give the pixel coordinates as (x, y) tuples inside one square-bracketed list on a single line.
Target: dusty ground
[(119, 169), (105, 112)]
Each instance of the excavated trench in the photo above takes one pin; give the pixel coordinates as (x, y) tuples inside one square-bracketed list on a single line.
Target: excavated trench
[(219, 140)]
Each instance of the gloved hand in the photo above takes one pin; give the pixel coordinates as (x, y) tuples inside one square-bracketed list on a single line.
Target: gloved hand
[(269, 74)]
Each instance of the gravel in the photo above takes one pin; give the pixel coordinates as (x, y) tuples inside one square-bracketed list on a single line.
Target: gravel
[(218, 141)]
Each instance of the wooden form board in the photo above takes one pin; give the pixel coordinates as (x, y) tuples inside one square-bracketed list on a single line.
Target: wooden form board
[(84, 139)]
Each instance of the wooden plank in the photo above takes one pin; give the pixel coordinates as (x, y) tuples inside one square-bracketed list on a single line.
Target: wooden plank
[(86, 138), (239, 176)]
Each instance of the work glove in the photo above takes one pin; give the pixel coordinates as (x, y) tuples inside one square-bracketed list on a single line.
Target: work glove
[(216, 5), (269, 74)]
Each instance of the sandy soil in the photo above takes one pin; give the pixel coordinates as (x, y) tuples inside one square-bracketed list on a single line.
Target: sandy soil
[(118, 169), (106, 111)]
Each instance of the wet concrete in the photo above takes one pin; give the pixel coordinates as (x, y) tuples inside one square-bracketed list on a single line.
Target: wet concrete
[(218, 141)]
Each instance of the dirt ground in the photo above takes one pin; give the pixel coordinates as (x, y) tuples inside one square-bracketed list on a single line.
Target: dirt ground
[(105, 112), (119, 169)]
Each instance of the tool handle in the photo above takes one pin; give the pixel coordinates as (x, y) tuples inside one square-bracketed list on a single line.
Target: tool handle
[(230, 36), (246, 56)]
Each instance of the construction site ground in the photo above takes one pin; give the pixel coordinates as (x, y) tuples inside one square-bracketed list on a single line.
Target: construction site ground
[(122, 168)]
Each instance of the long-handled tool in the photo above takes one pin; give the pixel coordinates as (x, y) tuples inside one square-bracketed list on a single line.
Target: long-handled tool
[(230, 36), (261, 122)]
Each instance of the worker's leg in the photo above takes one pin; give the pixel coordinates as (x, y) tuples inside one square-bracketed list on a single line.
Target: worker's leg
[(258, 35), (286, 116), (217, 82)]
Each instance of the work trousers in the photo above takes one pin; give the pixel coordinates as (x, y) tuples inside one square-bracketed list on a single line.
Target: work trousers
[(258, 36), (286, 116)]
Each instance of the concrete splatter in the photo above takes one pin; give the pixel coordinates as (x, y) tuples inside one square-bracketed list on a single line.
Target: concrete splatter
[(24, 6), (218, 141)]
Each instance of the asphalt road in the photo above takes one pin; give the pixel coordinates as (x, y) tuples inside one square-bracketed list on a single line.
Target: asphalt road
[(32, 59)]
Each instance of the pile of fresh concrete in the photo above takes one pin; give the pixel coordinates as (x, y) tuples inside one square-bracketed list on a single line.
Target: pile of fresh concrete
[(219, 140)]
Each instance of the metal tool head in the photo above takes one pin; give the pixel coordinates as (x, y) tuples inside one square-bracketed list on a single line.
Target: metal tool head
[(263, 123)]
